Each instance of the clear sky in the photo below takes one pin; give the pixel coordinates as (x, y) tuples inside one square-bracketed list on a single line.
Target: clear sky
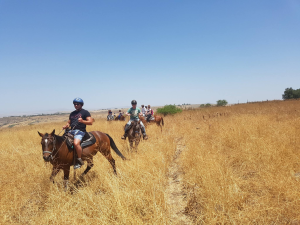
[(158, 52)]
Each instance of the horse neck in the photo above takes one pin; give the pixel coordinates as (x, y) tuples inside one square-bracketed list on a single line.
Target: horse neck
[(59, 145)]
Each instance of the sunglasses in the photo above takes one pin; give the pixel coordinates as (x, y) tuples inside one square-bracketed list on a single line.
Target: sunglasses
[(76, 104)]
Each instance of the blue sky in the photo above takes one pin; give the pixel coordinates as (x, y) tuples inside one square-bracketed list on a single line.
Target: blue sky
[(157, 52)]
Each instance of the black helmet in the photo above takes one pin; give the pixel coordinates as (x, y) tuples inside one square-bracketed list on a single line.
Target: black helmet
[(133, 102)]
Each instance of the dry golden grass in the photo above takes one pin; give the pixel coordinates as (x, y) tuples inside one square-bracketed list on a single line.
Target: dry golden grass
[(237, 168)]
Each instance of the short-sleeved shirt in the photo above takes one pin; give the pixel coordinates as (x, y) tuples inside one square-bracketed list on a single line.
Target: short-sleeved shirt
[(143, 110), (134, 113), (75, 125)]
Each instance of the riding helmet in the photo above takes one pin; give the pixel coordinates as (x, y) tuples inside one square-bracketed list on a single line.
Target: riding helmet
[(133, 102), (78, 100)]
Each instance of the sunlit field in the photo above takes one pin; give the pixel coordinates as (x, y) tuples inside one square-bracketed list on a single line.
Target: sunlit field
[(237, 165)]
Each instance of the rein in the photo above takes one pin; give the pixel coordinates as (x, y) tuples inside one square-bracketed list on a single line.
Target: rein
[(54, 143)]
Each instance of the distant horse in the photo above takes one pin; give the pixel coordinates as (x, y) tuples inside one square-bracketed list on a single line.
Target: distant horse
[(134, 134), (110, 118), (122, 118), (157, 120), (55, 151)]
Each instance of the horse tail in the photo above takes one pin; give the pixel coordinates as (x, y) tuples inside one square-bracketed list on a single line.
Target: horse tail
[(162, 120), (114, 147)]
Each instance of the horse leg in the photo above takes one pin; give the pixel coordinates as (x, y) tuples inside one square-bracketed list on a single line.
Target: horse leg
[(137, 141), (107, 154), (66, 176), (131, 144), (55, 171), (90, 164), (112, 162)]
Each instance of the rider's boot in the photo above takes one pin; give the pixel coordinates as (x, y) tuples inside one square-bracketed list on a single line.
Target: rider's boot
[(78, 163), (124, 136), (145, 137)]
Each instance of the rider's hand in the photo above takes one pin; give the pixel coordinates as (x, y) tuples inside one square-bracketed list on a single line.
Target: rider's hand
[(80, 120), (65, 126)]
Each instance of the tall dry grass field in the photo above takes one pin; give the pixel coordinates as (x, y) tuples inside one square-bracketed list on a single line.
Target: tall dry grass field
[(237, 165)]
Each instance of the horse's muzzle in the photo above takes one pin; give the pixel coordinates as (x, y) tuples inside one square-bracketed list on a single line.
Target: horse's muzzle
[(47, 158)]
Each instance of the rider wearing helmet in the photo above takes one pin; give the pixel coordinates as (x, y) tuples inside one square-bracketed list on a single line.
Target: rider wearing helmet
[(110, 116), (78, 120), (134, 113)]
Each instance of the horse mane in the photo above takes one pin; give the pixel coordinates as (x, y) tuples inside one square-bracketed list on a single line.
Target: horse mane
[(60, 138)]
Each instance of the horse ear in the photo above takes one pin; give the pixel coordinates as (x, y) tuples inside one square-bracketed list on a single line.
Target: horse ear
[(41, 134), (53, 132)]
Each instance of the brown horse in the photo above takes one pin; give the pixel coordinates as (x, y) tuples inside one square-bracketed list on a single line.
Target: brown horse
[(55, 151), (122, 118), (157, 120), (134, 134)]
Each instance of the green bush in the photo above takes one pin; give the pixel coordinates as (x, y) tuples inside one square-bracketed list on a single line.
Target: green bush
[(168, 110), (205, 105), (222, 102)]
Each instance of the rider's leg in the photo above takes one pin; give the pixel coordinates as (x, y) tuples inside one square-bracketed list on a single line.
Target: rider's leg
[(77, 139), (126, 129), (143, 130)]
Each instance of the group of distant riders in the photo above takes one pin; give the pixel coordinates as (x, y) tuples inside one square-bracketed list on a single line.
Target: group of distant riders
[(79, 118), (146, 111)]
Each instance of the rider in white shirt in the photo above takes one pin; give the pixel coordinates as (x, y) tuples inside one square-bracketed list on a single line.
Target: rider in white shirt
[(143, 110)]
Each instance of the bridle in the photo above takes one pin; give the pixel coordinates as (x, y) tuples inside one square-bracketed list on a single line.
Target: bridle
[(46, 145)]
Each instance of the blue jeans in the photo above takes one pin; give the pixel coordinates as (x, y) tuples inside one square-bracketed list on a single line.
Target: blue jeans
[(142, 126), (78, 134)]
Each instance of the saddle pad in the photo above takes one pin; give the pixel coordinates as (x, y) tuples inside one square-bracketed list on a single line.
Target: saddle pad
[(88, 140)]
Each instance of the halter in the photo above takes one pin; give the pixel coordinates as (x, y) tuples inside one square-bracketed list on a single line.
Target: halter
[(46, 145)]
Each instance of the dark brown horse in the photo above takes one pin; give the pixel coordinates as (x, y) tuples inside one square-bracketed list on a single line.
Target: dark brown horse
[(157, 120), (55, 151), (134, 134), (122, 118)]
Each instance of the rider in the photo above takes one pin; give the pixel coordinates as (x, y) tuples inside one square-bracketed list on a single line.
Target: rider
[(134, 113), (78, 120), (149, 113), (143, 110), (110, 116), (120, 114)]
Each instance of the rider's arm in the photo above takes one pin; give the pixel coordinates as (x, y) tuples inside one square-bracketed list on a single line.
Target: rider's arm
[(128, 114), (67, 125), (88, 121)]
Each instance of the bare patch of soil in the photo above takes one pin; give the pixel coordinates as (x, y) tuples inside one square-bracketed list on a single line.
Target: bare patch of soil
[(175, 193)]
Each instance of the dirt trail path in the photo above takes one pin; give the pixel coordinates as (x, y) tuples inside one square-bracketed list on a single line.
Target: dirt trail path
[(174, 192)]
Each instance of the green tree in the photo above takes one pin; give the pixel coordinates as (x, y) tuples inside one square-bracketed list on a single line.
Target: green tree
[(222, 102), (168, 110), (290, 93)]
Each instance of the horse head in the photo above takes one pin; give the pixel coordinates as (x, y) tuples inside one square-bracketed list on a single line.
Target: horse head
[(136, 126), (48, 145)]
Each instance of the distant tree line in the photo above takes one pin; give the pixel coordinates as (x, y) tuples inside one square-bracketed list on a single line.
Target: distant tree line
[(290, 93)]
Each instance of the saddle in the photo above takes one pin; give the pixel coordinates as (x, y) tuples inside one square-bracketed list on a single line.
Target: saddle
[(151, 118), (86, 141)]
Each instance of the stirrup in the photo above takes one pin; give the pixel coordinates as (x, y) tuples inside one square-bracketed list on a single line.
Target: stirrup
[(77, 166)]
